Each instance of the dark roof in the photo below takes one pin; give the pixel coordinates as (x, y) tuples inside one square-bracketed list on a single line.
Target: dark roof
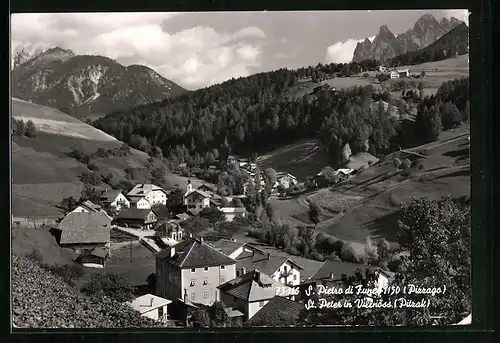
[(99, 252), (91, 206), (133, 213), (266, 263), (226, 246), (337, 268), (134, 199), (206, 187), (110, 195), (271, 310), (252, 286), (194, 253), (85, 227)]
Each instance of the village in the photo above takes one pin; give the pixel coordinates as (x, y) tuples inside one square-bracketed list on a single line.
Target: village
[(192, 271)]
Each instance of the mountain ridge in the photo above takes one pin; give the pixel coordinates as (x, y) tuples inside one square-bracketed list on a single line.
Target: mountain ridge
[(386, 45), (81, 85)]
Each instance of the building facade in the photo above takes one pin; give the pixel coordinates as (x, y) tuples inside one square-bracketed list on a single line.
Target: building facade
[(192, 270)]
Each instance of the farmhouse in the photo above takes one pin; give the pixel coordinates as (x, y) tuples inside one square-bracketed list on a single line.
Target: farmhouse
[(169, 229), (382, 69), (192, 268), (233, 212), (143, 219), (197, 200), (87, 206), (139, 202), (95, 258), (114, 199), (250, 292), (151, 306), (396, 74), (280, 268), (285, 179), (88, 230), (153, 194)]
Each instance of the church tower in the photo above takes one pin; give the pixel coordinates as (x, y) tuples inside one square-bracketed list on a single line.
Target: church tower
[(189, 187)]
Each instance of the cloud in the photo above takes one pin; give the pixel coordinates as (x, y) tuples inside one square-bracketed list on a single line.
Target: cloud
[(462, 15), (342, 52), (194, 57)]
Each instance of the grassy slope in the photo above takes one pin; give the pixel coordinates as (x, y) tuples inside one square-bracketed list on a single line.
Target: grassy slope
[(42, 172), (368, 203)]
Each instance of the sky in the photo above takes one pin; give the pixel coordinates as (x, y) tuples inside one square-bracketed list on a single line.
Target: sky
[(197, 50)]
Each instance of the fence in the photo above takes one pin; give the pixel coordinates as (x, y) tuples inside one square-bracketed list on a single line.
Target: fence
[(33, 222)]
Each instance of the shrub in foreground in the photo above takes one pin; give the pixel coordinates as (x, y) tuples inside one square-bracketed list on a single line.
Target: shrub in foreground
[(43, 300)]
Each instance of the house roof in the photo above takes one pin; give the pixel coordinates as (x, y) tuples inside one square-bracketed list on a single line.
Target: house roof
[(90, 206), (148, 302), (110, 195), (283, 174), (233, 209), (226, 246), (271, 310), (266, 263), (99, 252), (143, 189), (85, 227), (134, 213), (202, 193), (337, 268), (206, 187), (252, 286), (194, 253)]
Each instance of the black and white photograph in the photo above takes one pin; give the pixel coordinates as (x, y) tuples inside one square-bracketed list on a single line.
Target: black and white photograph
[(202, 170)]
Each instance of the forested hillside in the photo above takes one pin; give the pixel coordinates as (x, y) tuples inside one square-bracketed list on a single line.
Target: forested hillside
[(249, 115)]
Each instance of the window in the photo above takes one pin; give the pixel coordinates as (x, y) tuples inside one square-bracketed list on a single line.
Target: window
[(295, 276), (261, 303), (193, 270), (205, 295), (160, 312), (205, 281), (222, 280), (193, 296), (237, 273), (205, 269), (193, 282), (222, 267), (285, 268)]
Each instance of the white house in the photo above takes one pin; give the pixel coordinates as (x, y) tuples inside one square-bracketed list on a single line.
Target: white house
[(285, 179), (153, 194), (394, 74), (197, 200), (382, 69), (114, 199), (140, 203), (233, 212), (151, 306), (234, 249), (89, 207), (191, 271)]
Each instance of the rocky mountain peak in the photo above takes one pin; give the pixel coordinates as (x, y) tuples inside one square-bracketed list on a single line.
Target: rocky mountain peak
[(425, 31)]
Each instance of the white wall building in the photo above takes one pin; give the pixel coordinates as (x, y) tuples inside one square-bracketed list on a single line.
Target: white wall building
[(153, 194), (151, 306)]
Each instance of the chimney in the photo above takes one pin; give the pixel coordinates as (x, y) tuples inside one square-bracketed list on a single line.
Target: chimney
[(172, 251), (201, 240), (331, 275), (256, 274), (151, 302)]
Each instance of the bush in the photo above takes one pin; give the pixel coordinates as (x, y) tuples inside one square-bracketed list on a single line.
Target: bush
[(366, 75), (42, 300), (112, 285), (68, 272), (395, 265), (30, 129), (317, 256), (348, 253)]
